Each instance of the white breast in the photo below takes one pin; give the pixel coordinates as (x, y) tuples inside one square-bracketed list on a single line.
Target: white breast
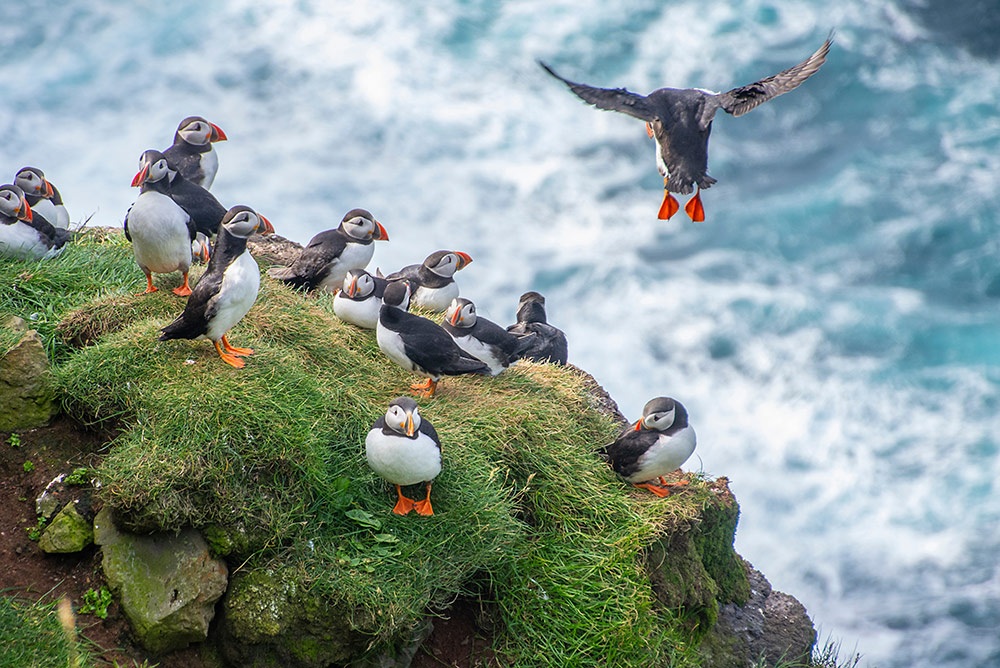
[(57, 215), (240, 284), (160, 238), (355, 256), (209, 165), (21, 241), (401, 460), (480, 351), (660, 165), (358, 313), (666, 455), (391, 343), (436, 299)]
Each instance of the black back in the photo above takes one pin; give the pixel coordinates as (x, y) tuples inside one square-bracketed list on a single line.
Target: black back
[(418, 274), (548, 343), (495, 336), (204, 209), (186, 159), (428, 345)]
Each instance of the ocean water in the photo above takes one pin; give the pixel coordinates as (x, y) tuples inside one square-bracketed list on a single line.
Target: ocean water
[(832, 326)]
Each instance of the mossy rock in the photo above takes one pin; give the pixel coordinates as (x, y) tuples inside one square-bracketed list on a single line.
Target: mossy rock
[(69, 531), (26, 396)]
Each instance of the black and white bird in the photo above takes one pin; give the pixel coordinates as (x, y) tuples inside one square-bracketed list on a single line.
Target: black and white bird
[(433, 281), (483, 339), (191, 153), (656, 445), (227, 290), (161, 232), (419, 345), (325, 261), (24, 235), (405, 449), (549, 343), (680, 120), (42, 196), (205, 210), (360, 299)]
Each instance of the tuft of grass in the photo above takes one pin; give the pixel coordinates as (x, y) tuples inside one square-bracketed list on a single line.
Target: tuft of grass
[(31, 635), (274, 453)]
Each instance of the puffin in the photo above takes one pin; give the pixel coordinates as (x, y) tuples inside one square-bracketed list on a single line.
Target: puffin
[(418, 344), (549, 343), (23, 234), (656, 445), (43, 197), (191, 153), (226, 290), (404, 449), (204, 209), (161, 232), (360, 299), (433, 281), (329, 255), (483, 339), (680, 121)]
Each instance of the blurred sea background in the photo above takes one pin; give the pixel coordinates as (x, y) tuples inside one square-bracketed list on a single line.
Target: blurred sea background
[(832, 327)]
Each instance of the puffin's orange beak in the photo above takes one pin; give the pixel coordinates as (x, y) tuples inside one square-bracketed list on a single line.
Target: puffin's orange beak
[(463, 259), (48, 189), (456, 317), (638, 426), (24, 213), (649, 130), (268, 227), (380, 233), (352, 288), (140, 178), (409, 425), (217, 134)]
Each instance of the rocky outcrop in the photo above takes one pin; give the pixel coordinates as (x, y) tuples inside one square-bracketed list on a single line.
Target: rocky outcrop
[(70, 530), (166, 584), (26, 397)]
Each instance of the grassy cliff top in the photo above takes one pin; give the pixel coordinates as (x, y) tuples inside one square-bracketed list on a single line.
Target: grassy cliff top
[(269, 462)]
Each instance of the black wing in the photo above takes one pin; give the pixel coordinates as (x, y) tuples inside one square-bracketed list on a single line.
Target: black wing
[(624, 453), (428, 429), (610, 99), (312, 264), (430, 348), (493, 334), (409, 272), (199, 309), (547, 345), (57, 236), (739, 101), (380, 284), (199, 204)]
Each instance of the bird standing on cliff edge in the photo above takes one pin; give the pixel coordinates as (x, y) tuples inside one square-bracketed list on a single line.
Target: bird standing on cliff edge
[(680, 121)]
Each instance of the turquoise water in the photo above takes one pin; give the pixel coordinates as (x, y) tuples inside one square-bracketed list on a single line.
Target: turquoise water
[(831, 327)]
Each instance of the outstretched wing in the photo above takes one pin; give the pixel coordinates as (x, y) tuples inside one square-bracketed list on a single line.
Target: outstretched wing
[(739, 101), (610, 99)]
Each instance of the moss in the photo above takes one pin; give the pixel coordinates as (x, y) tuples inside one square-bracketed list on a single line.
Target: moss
[(714, 542)]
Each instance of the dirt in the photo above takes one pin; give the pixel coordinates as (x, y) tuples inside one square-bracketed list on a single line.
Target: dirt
[(457, 640)]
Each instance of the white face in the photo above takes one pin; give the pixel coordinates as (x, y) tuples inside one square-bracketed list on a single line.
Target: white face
[(446, 266), (244, 223), (399, 420), (30, 182), (659, 421), (359, 227), (10, 203), (461, 315), (157, 170), (358, 284), (196, 132)]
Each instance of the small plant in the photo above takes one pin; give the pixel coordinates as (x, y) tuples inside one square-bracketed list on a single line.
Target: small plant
[(79, 476), (28, 466), (35, 532), (14, 440), (96, 602)]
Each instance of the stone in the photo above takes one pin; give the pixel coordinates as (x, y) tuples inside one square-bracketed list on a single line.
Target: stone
[(167, 584), (26, 396), (47, 503), (270, 620), (69, 531)]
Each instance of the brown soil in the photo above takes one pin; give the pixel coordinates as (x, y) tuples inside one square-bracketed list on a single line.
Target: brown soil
[(456, 641)]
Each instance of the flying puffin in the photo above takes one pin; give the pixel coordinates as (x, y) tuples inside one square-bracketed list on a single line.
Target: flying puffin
[(433, 282), (483, 339), (325, 261), (360, 299), (405, 449), (161, 232), (419, 345), (549, 343), (43, 197), (655, 446), (23, 234), (192, 154), (680, 120), (226, 290)]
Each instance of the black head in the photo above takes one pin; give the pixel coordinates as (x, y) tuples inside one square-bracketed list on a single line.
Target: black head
[(152, 168), (13, 205), (445, 263), (402, 416), (531, 307), (361, 224), (397, 294), (358, 283), (197, 131), (242, 221), (461, 313), (32, 180), (661, 413)]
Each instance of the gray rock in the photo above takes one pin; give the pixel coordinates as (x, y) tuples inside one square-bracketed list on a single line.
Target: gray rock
[(26, 397), (69, 531), (48, 502), (166, 584)]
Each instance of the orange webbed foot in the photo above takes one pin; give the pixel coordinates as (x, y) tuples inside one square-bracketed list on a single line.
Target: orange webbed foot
[(231, 360), (403, 505), (655, 489), (233, 350), (669, 206), (694, 208), (424, 507), (150, 288), (425, 389), (182, 291)]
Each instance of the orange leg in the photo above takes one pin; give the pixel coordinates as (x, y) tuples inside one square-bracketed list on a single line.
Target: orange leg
[(655, 489), (403, 505), (231, 360), (184, 290), (694, 208), (424, 507), (204, 250), (149, 285), (232, 350), (425, 389), (669, 206)]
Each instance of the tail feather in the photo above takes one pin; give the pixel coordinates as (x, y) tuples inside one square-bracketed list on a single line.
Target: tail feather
[(289, 277)]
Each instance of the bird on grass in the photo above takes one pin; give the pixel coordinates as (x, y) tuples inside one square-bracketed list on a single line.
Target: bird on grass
[(191, 153), (433, 281), (227, 290), (23, 234), (419, 345), (329, 255), (42, 196), (680, 121), (483, 339), (548, 343), (405, 449), (360, 299), (656, 445)]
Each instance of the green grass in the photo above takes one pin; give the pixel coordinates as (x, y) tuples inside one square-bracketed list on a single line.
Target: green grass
[(273, 455), (33, 637)]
